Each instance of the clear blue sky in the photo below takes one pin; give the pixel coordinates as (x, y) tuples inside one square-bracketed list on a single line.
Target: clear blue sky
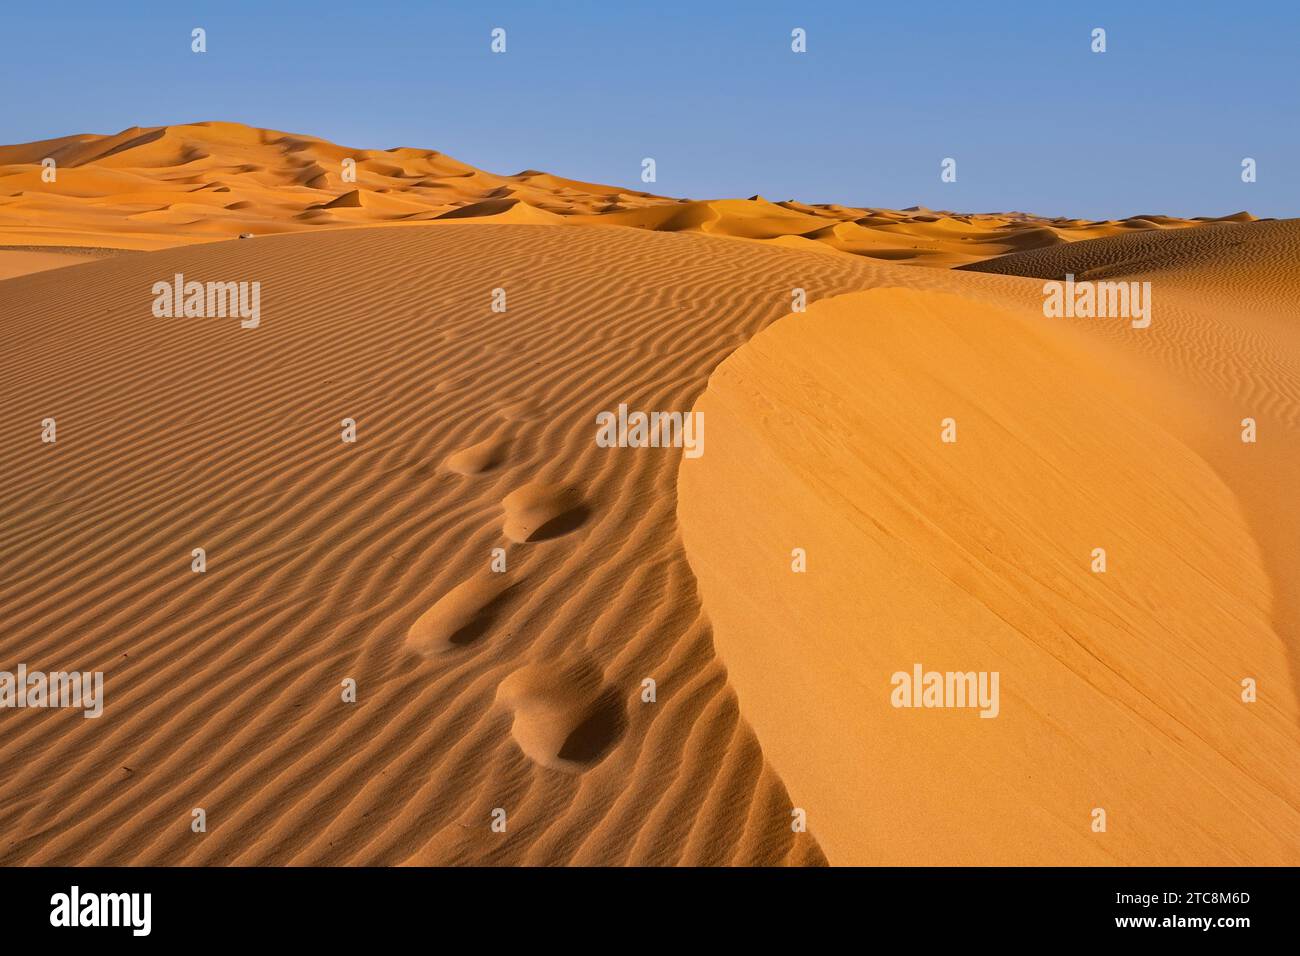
[(1157, 124)]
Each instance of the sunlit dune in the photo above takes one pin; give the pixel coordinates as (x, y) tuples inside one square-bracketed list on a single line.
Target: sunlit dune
[(1120, 689), (637, 654), (149, 188)]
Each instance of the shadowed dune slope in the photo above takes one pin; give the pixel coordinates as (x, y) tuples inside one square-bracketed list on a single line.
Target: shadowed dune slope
[(1118, 690), (1219, 253), (371, 561)]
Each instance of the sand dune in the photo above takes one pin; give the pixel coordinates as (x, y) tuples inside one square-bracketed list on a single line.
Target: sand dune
[(372, 561), (163, 186), (1120, 690), (609, 643), (1240, 254)]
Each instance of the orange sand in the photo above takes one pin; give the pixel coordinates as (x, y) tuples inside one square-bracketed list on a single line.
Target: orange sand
[(1119, 690), (163, 186), (526, 690)]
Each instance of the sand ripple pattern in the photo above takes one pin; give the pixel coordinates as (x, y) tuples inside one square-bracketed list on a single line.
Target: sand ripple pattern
[(223, 688)]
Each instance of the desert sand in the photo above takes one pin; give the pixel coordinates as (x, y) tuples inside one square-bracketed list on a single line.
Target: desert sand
[(373, 561), (157, 187), (20, 260), (1120, 690)]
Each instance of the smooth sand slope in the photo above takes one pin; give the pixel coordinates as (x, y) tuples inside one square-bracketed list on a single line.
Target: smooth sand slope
[(155, 187), (22, 260), (1118, 691)]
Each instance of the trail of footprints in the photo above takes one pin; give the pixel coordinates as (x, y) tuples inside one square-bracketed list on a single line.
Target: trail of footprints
[(565, 716), (499, 686)]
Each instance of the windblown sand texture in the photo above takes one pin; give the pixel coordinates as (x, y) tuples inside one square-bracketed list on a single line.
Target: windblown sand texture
[(524, 690)]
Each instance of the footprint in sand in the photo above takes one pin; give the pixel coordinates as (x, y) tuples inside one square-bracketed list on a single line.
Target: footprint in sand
[(476, 459), (541, 510), (461, 616), (565, 717)]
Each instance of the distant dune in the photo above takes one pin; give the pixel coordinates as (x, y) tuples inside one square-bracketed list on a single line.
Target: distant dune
[(1244, 253), (150, 188), (645, 679)]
